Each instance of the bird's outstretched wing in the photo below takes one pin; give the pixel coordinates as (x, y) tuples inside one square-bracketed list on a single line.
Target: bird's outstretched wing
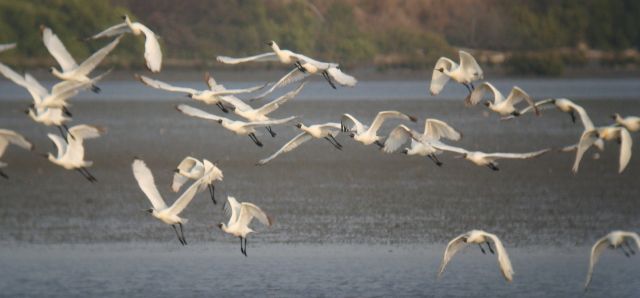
[(384, 115), (152, 51), (587, 139), (232, 209), (478, 94), (269, 122), (398, 136), (293, 76), (292, 144), (276, 103), (90, 63), (444, 147), (164, 86), (470, 66), (146, 182), (60, 143), (248, 211), (84, 131), (625, 148), (11, 137), (503, 258), (438, 78), (517, 155), (517, 95), (350, 123), (452, 248), (114, 30), (597, 250), (7, 46), (57, 50), (193, 112), (341, 78), (271, 56), (186, 197), (188, 164), (435, 129)]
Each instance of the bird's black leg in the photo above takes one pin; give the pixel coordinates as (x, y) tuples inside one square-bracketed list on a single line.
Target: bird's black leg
[(255, 139), (222, 107), (62, 134), (213, 194), (493, 166), (490, 249), (332, 143), (184, 240), (300, 68), (379, 144), (241, 249), (178, 235), (68, 132), (326, 76), (3, 175), (336, 141), (66, 111), (629, 247), (95, 89), (84, 175), (435, 159), (573, 116), (273, 134), (468, 87), (245, 246), (472, 87), (91, 177), (482, 249)]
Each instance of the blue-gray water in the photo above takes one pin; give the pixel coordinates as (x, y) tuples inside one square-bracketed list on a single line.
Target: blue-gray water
[(350, 223)]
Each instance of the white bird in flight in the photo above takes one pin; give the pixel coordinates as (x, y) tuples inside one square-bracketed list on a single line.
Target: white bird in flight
[(71, 151), (479, 237), (245, 111), (56, 98), (71, 71), (305, 66), (241, 215), (501, 105), (327, 131), (434, 130), (605, 133), (613, 240), (152, 51), (368, 135), (167, 214), (238, 127), (210, 96), (7, 46), (191, 168), (486, 159), (11, 137), (631, 123), (562, 104), (465, 73)]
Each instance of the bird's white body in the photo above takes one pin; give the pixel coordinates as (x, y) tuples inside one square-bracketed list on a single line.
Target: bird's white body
[(486, 159), (465, 73), (193, 169), (479, 237), (241, 216), (605, 133), (613, 240), (631, 123), (368, 135), (48, 116), (434, 130), (245, 111), (71, 151)]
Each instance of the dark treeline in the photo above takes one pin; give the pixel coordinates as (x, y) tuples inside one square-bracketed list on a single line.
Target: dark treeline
[(384, 34)]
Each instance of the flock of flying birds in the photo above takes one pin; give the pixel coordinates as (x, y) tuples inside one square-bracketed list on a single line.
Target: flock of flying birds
[(50, 109)]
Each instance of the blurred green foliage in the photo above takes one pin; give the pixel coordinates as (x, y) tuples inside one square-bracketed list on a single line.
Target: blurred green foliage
[(407, 34)]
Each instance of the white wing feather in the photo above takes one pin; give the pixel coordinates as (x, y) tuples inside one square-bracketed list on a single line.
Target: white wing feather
[(439, 79), (271, 56), (597, 250), (146, 182), (57, 50), (452, 248), (292, 144)]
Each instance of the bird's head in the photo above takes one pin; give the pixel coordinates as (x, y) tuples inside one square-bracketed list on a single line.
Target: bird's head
[(405, 151), (124, 17), (220, 225), (487, 104), (615, 116), (220, 121), (148, 210), (176, 170), (351, 135), (52, 69), (441, 69), (299, 125), (463, 155), (189, 95), (270, 43)]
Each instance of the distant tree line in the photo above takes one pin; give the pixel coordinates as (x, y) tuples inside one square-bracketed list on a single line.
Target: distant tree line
[(384, 34)]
